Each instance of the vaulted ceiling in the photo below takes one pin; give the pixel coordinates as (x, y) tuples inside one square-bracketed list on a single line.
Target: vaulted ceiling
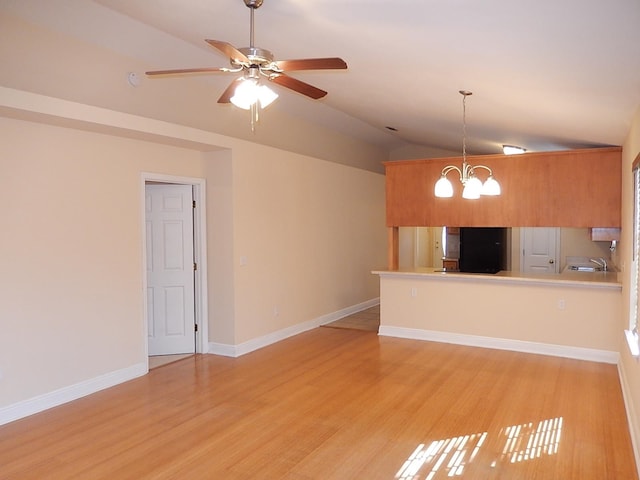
[(545, 74)]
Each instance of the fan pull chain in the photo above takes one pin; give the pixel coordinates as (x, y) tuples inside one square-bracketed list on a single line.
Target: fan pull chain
[(254, 116)]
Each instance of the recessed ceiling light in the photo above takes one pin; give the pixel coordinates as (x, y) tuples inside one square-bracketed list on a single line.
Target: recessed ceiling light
[(512, 150)]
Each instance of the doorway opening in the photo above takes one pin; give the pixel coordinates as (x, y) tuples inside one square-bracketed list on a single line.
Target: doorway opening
[(174, 285)]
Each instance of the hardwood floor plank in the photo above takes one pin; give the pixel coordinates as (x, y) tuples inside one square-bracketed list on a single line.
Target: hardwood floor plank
[(338, 404)]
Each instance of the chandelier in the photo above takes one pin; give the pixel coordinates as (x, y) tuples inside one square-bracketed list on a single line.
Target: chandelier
[(473, 186)]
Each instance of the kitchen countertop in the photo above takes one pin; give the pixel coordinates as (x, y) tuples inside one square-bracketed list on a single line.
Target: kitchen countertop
[(568, 278)]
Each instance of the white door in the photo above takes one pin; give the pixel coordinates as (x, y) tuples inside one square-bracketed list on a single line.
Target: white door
[(170, 269), (438, 248), (423, 251), (540, 249)]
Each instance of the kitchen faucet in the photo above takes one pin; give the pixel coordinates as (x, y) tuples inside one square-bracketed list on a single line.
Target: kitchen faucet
[(601, 262)]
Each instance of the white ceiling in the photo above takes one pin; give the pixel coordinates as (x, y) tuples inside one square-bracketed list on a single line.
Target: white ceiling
[(545, 74)]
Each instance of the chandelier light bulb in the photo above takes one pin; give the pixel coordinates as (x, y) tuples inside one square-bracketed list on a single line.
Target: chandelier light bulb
[(472, 189), (491, 187), (443, 188)]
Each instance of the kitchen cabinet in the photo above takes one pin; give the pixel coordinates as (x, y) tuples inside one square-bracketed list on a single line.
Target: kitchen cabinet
[(450, 264), (604, 234), (573, 188)]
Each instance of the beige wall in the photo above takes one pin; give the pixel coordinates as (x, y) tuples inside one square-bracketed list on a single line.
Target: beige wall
[(629, 367), (300, 221), (221, 259), (303, 204), (71, 303), (503, 310), (71, 297)]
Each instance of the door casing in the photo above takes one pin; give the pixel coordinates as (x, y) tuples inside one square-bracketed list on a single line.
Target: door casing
[(200, 255)]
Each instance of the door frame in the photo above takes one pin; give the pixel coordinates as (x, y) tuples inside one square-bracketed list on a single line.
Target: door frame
[(199, 252)]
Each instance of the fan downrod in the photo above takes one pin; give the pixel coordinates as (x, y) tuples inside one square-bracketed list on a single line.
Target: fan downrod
[(253, 3)]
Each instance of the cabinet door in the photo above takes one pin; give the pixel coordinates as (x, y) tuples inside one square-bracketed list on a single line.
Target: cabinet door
[(604, 234), (449, 264)]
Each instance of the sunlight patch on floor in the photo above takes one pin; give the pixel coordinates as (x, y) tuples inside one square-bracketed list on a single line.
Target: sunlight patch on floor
[(521, 443), (529, 441), (437, 453)]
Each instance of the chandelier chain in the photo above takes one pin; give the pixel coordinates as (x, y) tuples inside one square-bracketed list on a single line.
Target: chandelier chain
[(464, 128), (473, 187), (465, 94)]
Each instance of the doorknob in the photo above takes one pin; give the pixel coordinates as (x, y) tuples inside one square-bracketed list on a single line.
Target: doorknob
[(552, 261)]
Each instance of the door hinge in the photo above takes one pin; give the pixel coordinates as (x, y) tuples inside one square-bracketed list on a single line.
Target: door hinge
[(196, 327), (194, 204), (195, 266)]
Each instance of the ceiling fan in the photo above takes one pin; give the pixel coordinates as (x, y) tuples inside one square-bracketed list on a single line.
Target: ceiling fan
[(255, 63)]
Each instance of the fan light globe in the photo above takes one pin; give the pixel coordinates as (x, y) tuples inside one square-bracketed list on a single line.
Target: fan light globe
[(443, 188), (266, 96), (248, 92)]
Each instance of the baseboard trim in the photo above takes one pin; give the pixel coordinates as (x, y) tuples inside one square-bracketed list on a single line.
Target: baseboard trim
[(67, 394), (632, 415), (578, 353), (271, 338)]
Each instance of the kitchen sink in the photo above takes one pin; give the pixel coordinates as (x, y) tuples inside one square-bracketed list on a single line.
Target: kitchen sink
[(584, 268)]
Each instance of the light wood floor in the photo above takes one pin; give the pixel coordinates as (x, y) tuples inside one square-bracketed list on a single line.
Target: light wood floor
[(338, 404), (160, 360), (368, 320)]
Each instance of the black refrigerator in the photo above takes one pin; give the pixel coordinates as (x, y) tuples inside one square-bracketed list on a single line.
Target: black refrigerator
[(483, 249)]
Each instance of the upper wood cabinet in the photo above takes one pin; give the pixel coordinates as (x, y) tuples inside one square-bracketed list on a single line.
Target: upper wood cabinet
[(574, 188), (604, 234)]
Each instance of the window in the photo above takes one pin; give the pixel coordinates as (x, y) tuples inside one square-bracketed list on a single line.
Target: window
[(632, 333)]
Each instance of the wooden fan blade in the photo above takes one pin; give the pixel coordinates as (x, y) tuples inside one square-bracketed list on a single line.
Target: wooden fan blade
[(228, 93), (297, 85), (312, 64), (182, 71), (229, 50)]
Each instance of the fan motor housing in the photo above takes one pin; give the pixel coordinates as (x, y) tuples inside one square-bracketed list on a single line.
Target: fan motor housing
[(253, 3), (257, 56)]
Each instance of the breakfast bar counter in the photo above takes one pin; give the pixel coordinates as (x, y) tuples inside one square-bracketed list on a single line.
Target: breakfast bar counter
[(580, 279), (572, 314)]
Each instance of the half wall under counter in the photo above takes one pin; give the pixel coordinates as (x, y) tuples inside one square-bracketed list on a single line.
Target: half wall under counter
[(569, 315)]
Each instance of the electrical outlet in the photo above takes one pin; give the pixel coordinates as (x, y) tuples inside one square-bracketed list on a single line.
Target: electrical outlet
[(276, 311), (414, 292), (561, 304)]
